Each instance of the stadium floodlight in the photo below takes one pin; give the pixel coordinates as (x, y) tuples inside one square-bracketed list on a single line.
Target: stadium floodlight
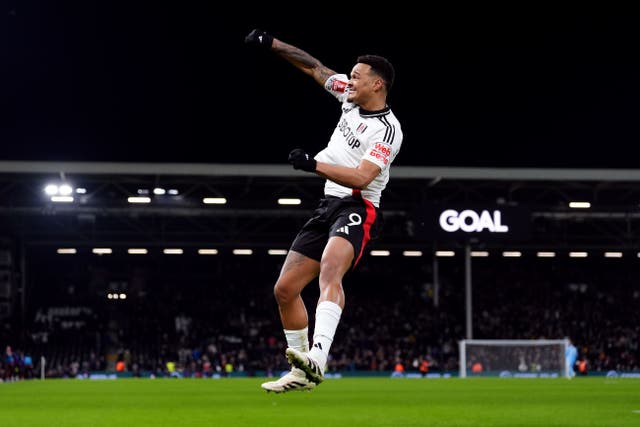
[(513, 358), (172, 251), (102, 251), (51, 189), (578, 254), (139, 199), (445, 253), (512, 254), (543, 254), (380, 253), (613, 254), (412, 253), (67, 251), (479, 254), (579, 205), (289, 201), (62, 199), (277, 251), (65, 189), (242, 252), (137, 251), (214, 201), (207, 252)]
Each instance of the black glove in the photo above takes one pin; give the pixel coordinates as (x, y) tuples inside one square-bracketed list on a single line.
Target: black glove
[(301, 160), (259, 38)]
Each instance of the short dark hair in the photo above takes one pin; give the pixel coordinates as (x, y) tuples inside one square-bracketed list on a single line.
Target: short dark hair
[(381, 66)]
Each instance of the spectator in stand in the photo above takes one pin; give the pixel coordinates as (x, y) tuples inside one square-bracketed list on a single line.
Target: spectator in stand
[(582, 366), (171, 368), (424, 367), (28, 366), (228, 369), (398, 369), (9, 364)]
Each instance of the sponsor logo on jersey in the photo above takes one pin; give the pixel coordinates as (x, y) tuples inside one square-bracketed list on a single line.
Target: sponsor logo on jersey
[(348, 134), (381, 151), (361, 128)]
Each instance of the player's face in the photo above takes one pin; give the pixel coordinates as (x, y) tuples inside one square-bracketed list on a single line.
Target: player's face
[(361, 84)]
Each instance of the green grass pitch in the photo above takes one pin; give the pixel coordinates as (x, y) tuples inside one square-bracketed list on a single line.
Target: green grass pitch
[(350, 402)]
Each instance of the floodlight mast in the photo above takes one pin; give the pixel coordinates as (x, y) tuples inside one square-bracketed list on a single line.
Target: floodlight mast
[(467, 290)]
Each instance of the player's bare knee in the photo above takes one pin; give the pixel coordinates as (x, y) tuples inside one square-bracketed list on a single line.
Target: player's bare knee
[(331, 287), (283, 294), (331, 270)]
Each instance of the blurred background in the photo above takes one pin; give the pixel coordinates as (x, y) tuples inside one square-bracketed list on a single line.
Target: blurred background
[(146, 204)]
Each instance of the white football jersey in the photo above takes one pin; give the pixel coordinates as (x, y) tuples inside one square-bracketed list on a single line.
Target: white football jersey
[(375, 136)]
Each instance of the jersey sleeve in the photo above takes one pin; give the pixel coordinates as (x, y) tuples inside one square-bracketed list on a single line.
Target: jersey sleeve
[(381, 150), (336, 85)]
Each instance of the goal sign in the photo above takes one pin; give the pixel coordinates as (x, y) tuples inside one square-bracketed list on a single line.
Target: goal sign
[(481, 222)]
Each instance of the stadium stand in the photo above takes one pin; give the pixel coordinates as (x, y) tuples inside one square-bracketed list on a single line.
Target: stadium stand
[(215, 315)]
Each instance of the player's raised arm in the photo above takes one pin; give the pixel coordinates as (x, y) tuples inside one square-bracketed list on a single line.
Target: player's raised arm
[(298, 57)]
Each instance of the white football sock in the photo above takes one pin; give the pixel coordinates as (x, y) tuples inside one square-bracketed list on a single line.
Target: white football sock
[(298, 339), (327, 318)]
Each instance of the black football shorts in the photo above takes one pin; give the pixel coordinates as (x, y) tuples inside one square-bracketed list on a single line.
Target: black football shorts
[(352, 217)]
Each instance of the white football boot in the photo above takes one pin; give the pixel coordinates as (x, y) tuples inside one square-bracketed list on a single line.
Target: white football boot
[(294, 380), (303, 361)]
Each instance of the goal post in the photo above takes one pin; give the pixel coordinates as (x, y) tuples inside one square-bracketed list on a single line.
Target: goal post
[(513, 358)]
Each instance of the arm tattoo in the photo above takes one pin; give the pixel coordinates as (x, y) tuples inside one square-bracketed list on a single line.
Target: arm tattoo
[(297, 56), (325, 72), (303, 61)]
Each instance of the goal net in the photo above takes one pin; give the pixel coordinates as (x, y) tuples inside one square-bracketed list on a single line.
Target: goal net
[(513, 358)]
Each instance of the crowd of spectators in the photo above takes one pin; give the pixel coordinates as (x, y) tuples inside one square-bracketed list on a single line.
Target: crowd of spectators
[(222, 319)]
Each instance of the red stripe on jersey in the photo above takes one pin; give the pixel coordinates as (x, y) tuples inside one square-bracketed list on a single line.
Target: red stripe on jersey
[(368, 222)]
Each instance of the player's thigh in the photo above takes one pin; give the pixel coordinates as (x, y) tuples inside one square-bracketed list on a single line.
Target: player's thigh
[(336, 259), (297, 271)]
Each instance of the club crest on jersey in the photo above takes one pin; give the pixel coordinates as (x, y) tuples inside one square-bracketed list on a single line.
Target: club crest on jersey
[(361, 128)]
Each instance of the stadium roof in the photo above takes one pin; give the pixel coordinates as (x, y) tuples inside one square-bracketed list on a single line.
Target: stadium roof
[(270, 170), (252, 216)]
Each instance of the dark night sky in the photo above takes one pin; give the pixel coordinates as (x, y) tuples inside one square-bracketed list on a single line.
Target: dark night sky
[(113, 81)]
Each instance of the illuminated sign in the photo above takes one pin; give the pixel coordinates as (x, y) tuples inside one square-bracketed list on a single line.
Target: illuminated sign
[(471, 221), (463, 222)]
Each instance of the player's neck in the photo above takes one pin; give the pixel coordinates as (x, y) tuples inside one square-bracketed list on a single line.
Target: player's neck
[(374, 104)]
